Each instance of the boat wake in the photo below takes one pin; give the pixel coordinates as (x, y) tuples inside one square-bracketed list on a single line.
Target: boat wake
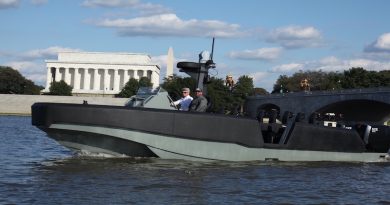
[(88, 154)]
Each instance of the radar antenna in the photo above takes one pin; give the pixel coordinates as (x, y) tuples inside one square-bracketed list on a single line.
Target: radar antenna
[(200, 71)]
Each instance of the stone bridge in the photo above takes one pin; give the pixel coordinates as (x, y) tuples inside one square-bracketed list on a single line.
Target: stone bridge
[(367, 105)]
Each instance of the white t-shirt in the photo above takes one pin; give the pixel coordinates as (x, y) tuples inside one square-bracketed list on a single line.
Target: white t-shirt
[(184, 102)]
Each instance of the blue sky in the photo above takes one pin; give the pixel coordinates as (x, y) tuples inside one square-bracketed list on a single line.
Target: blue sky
[(262, 39)]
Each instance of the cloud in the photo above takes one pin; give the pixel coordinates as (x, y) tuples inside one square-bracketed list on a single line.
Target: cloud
[(26, 66), (31, 63), (290, 67), (259, 77), (381, 44), (38, 2), (257, 54), (35, 71), (171, 25), (332, 64), (46, 52), (5, 4), (149, 9), (295, 37), (144, 9), (110, 4)]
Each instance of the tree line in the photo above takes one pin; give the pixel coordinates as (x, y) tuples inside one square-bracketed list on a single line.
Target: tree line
[(12, 82), (320, 80)]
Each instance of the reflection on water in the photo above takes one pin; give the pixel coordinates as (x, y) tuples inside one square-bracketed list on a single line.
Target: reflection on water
[(36, 170)]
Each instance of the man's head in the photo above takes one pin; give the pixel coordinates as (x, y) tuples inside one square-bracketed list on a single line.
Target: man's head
[(198, 92), (185, 91)]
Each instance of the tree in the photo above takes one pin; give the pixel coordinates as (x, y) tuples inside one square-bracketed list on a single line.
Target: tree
[(144, 82), (319, 80), (31, 89), (60, 88), (12, 82), (355, 78), (384, 77), (174, 85), (282, 85), (130, 88), (243, 88), (133, 85), (260, 91), (219, 95)]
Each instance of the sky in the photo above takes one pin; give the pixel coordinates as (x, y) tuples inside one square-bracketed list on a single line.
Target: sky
[(259, 38)]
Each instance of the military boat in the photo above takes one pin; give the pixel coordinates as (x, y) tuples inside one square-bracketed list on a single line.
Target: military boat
[(147, 126)]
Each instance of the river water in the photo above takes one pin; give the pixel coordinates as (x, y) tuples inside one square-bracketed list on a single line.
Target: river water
[(36, 170)]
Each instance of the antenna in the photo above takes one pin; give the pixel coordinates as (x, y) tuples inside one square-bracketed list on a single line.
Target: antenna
[(212, 50)]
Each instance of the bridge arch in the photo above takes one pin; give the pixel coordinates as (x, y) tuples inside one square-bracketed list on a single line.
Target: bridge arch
[(268, 107), (268, 110), (359, 110)]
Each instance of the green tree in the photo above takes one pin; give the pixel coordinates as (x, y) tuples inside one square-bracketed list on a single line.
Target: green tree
[(356, 78), (260, 91), (12, 82), (384, 77), (133, 85), (319, 80), (282, 84), (144, 82), (60, 88), (130, 88), (174, 85), (31, 89), (219, 95), (243, 88)]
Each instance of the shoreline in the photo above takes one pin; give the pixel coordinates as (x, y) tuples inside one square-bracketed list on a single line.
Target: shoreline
[(20, 105), (16, 114)]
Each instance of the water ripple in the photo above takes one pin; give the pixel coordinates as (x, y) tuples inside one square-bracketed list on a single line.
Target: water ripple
[(35, 170)]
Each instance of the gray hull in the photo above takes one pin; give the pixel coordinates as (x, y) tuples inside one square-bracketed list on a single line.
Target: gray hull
[(141, 132), (149, 145)]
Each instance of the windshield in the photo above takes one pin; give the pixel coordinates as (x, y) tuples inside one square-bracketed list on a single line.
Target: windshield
[(148, 91)]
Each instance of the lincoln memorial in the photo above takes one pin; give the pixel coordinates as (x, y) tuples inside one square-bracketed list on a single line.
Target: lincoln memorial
[(95, 73)]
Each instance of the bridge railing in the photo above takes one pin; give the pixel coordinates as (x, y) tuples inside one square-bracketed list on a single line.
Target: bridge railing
[(324, 92)]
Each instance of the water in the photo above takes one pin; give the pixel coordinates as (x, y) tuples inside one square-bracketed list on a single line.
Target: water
[(36, 170)]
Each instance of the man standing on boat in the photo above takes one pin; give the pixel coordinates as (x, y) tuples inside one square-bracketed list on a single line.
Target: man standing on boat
[(185, 101), (199, 104)]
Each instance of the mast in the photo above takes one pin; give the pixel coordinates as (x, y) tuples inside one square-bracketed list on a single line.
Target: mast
[(199, 71)]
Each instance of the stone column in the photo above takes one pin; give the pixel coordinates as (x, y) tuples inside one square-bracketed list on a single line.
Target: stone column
[(76, 79), (48, 78), (116, 80), (136, 74), (155, 79), (144, 73), (57, 76), (67, 76), (106, 82), (87, 79), (127, 76), (96, 80)]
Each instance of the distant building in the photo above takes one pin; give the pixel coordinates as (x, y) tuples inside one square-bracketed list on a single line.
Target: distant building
[(170, 61), (97, 73)]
